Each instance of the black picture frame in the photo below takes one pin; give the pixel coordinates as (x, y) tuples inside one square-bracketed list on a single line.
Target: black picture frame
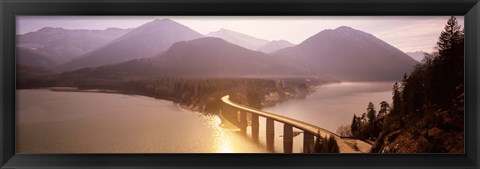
[(11, 8)]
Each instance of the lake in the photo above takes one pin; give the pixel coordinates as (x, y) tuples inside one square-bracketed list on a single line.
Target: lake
[(77, 122), (329, 107)]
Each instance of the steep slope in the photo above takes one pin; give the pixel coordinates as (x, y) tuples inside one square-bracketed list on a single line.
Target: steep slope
[(29, 57), (349, 55), (275, 45), (62, 45), (239, 39), (204, 57), (145, 41)]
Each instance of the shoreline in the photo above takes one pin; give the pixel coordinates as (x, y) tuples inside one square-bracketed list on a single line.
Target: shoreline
[(108, 91), (268, 102), (75, 89), (224, 124)]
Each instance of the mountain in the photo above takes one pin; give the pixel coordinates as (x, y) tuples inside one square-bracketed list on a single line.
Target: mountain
[(418, 55), (239, 39), (30, 57), (275, 45), (62, 45), (349, 55), (144, 41), (204, 57)]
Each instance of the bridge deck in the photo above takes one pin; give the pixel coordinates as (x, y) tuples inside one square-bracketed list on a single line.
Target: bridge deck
[(344, 147)]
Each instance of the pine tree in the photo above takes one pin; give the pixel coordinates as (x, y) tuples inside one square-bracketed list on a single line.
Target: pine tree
[(433, 86), (450, 36), (448, 66), (371, 113), (384, 107), (319, 144), (396, 110), (397, 100), (354, 126)]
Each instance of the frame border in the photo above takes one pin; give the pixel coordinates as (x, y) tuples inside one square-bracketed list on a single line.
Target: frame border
[(10, 8)]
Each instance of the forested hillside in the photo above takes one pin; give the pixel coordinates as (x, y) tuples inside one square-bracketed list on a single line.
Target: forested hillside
[(427, 113)]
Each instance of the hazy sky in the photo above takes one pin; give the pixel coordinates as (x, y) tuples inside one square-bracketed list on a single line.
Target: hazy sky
[(408, 33)]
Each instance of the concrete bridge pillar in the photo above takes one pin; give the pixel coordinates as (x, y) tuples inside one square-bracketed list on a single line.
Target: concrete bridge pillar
[(243, 121), (287, 138), (230, 113), (255, 127), (270, 133)]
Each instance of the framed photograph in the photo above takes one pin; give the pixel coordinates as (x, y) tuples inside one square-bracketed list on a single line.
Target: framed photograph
[(239, 84)]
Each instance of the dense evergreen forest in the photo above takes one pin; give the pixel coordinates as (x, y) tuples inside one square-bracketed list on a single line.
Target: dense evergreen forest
[(199, 94), (427, 112)]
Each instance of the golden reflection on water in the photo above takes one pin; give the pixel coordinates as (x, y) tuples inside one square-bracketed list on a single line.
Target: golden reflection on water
[(231, 140), (222, 139), (157, 126)]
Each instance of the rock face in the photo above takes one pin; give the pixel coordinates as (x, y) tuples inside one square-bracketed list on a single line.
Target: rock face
[(145, 41), (439, 131), (430, 140), (239, 39), (275, 45), (62, 45), (204, 57), (349, 55)]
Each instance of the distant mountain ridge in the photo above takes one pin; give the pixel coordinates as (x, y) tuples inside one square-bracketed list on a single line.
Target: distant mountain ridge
[(343, 54), (350, 55), (62, 45), (29, 57), (144, 41), (239, 39), (205, 57), (275, 45), (417, 55)]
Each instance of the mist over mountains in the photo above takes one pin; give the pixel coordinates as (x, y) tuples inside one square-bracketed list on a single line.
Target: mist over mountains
[(417, 55), (349, 54), (205, 57), (145, 41), (62, 45), (275, 45), (29, 57), (239, 39), (167, 48)]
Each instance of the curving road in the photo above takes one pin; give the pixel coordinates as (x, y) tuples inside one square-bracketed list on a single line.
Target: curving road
[(345, 144)]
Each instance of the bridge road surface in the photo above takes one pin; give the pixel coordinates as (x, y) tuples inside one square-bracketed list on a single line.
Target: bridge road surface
[(342, 143)]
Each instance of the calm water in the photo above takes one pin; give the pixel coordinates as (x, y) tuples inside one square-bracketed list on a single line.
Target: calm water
[(329, 107), (73, 122)]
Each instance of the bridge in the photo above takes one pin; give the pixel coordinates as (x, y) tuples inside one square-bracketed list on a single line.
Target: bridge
[(309, 131)]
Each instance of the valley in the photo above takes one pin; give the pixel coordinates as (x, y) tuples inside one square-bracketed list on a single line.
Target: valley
[(184, 71)]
